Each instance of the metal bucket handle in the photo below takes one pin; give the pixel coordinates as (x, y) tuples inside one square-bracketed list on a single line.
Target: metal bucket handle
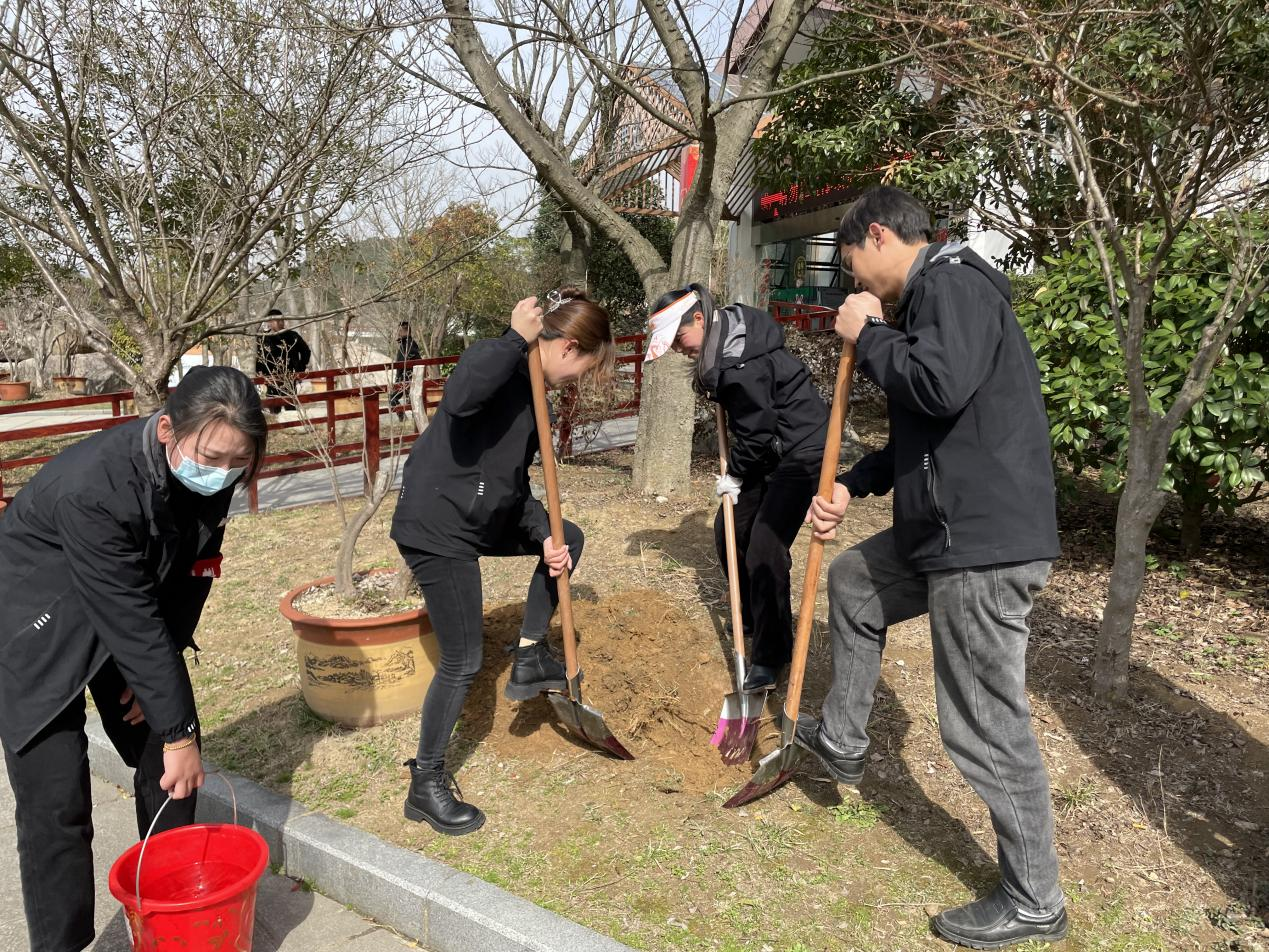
[(146, 842)]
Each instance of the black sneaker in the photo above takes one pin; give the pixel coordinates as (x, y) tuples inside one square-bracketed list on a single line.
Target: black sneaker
[(759, 677), (844, 767), (995, 921), (533, 671)]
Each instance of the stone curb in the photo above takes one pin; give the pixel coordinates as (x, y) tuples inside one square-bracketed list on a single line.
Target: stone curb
[(443, 909)]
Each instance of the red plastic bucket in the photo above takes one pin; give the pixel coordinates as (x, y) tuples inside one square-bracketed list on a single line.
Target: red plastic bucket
[(197, 885)]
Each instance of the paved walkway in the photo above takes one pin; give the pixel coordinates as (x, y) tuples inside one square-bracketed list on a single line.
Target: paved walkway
[(304, 489), (288, 917)]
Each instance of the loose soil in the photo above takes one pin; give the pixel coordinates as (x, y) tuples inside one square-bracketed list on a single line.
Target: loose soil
[(1161, 810), (650, 670)]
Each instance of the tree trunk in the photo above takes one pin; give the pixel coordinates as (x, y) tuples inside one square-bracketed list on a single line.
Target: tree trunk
[(352, 531), (1192, 505), (663, 447), (1139, 506), (149, 387)]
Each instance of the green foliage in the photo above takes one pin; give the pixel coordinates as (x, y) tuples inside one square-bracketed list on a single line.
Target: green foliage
[(612, 279), (124, 346), (1218, 452), (867, 129), (18, 272)]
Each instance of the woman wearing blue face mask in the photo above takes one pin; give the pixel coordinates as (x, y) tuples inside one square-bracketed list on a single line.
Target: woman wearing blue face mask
[(106, 559)]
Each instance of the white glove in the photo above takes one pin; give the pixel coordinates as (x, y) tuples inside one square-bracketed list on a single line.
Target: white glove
[(728, 486)]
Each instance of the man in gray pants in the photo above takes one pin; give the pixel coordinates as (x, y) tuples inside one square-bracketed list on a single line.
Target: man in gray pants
[(975, 531)]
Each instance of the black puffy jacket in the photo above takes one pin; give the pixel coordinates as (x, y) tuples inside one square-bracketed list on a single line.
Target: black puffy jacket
[(969, 455), (466, 482), (104, 555), (773, 410)]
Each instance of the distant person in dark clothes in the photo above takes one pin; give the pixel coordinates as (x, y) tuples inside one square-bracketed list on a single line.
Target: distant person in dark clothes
[(465, 494), (777, 422), (975, 531), (407, 350), (106, 558), (281, 355)]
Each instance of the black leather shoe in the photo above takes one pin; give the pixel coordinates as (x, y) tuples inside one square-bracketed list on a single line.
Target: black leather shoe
[(533, 671), (843, 766), (759, 677), (995, 921), (431, 801)]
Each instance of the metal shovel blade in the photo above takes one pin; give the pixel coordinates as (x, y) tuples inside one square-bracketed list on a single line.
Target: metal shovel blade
[(587, 724), (773, 770), (738, 725)]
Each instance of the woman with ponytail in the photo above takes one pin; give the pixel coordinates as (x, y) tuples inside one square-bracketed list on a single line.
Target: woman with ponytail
[(465, 494)]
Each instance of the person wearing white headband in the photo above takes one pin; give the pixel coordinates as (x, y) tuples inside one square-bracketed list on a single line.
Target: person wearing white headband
[(777, 423)]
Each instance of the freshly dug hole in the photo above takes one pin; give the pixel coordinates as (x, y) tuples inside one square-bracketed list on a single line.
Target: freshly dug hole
[(657, 676)]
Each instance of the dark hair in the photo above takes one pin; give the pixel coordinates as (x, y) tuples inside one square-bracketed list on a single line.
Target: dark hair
[(580, 319), (889, 206), (210, 395), (273, 312), (405, 324), (705, 305)]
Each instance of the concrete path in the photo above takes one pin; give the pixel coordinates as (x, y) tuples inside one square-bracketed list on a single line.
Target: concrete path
[(289, 918), (304, 489)]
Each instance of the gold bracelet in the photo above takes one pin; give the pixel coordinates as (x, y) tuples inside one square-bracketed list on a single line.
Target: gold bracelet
[(173, 747)]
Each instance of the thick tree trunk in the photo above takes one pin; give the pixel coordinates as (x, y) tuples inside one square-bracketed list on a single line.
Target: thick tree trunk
[(663, 447), (1139, 506)]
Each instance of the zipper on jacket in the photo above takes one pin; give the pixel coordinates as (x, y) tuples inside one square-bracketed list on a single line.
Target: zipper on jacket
[(931, 484)]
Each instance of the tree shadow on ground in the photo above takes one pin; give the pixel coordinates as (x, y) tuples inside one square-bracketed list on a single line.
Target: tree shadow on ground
[(269, 743), (1194, 773), (904, 806)]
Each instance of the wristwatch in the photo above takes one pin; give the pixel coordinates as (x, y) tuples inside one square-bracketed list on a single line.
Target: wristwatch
[(874, 321)]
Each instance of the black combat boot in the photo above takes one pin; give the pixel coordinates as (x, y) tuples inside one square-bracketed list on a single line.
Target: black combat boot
[(533, 671), (431, 800)]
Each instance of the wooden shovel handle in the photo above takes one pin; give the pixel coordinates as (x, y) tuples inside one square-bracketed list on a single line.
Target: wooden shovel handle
[(547, 448), (815, 558), (729, 534)]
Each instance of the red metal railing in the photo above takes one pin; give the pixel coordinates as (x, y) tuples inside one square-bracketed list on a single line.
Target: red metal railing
[(361, 402)]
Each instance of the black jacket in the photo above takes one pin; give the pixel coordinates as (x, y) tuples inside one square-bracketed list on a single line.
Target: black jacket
[(773, 410), (104, 555), (282, 353), (407, 350), (466, 482), (969, 454)]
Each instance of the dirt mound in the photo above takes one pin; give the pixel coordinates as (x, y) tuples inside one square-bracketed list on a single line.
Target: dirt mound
[(657, 676)]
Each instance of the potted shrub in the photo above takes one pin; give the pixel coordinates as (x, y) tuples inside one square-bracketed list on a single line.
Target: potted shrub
[(11, 390), (365, 647)]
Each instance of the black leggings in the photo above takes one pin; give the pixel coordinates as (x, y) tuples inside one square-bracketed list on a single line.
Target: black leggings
[(768, 516), (455, 604), (51, 785)]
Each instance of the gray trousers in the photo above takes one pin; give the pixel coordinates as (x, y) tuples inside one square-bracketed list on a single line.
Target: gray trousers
[(978, 625)]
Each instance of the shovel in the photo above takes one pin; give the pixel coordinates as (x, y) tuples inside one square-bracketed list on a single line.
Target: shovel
[(779, 765), (584, 722), (738, 723)]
